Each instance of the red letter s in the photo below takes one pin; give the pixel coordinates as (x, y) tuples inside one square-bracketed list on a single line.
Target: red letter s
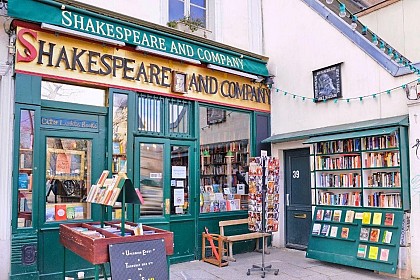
[(30, 50)]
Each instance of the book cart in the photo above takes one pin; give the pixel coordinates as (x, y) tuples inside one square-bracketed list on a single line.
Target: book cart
[(360, 191), (92, 240)]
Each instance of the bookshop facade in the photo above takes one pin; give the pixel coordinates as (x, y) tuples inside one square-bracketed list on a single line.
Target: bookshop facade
[(182, 132)]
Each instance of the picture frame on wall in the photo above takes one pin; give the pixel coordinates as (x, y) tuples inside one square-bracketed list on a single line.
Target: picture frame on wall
[(179, 82), (215, 116), (327, 83)]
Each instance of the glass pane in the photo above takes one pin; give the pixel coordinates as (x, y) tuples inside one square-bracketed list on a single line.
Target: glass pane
[(119, 133), (224, 148), (151, 181), (68, 175), (26, 137), (72, 94), (179, 180), (178, 117), (201, 3), (198, 13), (176, 9), (150, 114)]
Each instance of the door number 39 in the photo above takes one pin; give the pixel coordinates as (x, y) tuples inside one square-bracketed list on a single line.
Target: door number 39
[(295, 174)]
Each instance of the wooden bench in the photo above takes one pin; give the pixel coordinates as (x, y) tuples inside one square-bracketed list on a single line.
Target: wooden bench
[(240, 237)]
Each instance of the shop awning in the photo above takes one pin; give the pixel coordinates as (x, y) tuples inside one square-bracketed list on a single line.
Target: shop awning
[(348, 135), (365, 128), (86, 19)]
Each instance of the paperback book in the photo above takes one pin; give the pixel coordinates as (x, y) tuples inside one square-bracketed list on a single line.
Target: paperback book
[(333, 231), (361, 251), (364, 234), (319, 214), (374, 235), (325, 230), (377, 218), (373, 252), (337, 216), (387, 236), (384, 255), (366, 218), (328, 215), (349, 216), (316, 229), (389, 219), (345, 232)]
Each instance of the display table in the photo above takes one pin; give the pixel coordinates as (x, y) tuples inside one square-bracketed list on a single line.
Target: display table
[(90, 241)]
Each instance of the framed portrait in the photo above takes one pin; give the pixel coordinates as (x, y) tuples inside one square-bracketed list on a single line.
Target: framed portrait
[(179, 82), (215, 116), (327, 83)]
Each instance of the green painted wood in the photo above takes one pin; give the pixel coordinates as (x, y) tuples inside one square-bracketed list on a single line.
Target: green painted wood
[(342, 251)]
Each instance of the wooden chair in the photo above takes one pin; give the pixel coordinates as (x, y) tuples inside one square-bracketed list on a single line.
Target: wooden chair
[(213, 249)]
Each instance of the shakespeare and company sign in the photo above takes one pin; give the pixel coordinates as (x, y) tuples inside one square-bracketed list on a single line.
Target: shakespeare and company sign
[(63, 57), (51, 12)]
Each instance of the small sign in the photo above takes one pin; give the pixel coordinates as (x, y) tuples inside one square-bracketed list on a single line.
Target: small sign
[(327, 83), (139, 260), (179, 172)]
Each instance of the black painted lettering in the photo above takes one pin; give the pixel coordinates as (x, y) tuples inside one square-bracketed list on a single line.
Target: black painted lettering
[(106, 60), (116, 65), (193, 82), (48, 53), (76, 60), (213, 85), (154, 73), (128, 69), (223, 85), (165, 77), (62, 56), (203, 84), (141, 71), (92, 62)]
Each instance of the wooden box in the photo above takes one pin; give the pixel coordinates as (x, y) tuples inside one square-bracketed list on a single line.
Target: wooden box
[(95, 249)]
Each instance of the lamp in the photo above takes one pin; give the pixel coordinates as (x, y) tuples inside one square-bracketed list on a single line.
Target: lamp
[(375, 39), (269, 81), (165, 54), (364, 30), (329, 1), (353, 22), (382, 45), (342, 12), (231, 71), (67, 31), (390, 52)]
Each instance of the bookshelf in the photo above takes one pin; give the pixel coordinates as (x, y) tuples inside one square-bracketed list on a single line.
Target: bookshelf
[(25, 188), (222, 173), (360, 172), (365, 176)]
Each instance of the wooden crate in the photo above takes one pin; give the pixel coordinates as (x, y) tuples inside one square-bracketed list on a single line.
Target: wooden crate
[(95, 250)]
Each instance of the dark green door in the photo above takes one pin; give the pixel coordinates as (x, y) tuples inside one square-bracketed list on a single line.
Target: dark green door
[(298, 198), (74, 158), (163, 171)]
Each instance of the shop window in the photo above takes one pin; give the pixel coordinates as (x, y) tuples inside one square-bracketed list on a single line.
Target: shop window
[(179, 179), (68, 175), (26, 136), (150, 112), (72, 94), (119, 141), (224, 155), (195, 10), (151, 180), (179, 117)]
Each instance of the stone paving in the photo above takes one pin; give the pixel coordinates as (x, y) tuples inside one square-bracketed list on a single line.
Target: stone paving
[(292, 265)]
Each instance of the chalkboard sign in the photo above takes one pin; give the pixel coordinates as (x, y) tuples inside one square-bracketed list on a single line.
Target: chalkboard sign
[(144, 260)]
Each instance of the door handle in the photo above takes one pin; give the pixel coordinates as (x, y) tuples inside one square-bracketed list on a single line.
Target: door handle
[(300, 216), (287, 199)]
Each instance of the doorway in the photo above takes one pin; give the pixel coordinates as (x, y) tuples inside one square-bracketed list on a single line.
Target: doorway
[(298, 198), (163, 170)]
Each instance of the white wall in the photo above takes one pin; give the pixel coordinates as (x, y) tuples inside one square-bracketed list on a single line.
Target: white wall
[(298, 41), (398, 25), (6, 141)]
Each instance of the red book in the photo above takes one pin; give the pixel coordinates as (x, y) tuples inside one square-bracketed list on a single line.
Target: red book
[(60, 212), (389, 219)]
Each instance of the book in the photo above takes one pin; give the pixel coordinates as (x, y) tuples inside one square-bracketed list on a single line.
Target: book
[(70, 213), (345, 232), (366, 218), (23, 181), (387, 236), (337, 216), (374, 235), (389, 219), (373, 252), (79, 212), (377, 218), (49, 213), (364, 234), (325, 230), (102, 178), (333, 231), (60, 212), (349, 216), (328, 215), (384, 255), (316, 229), (361, 251), (319, 214)]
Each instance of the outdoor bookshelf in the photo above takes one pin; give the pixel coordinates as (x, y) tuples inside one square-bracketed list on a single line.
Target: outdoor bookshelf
[(364, 174)]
